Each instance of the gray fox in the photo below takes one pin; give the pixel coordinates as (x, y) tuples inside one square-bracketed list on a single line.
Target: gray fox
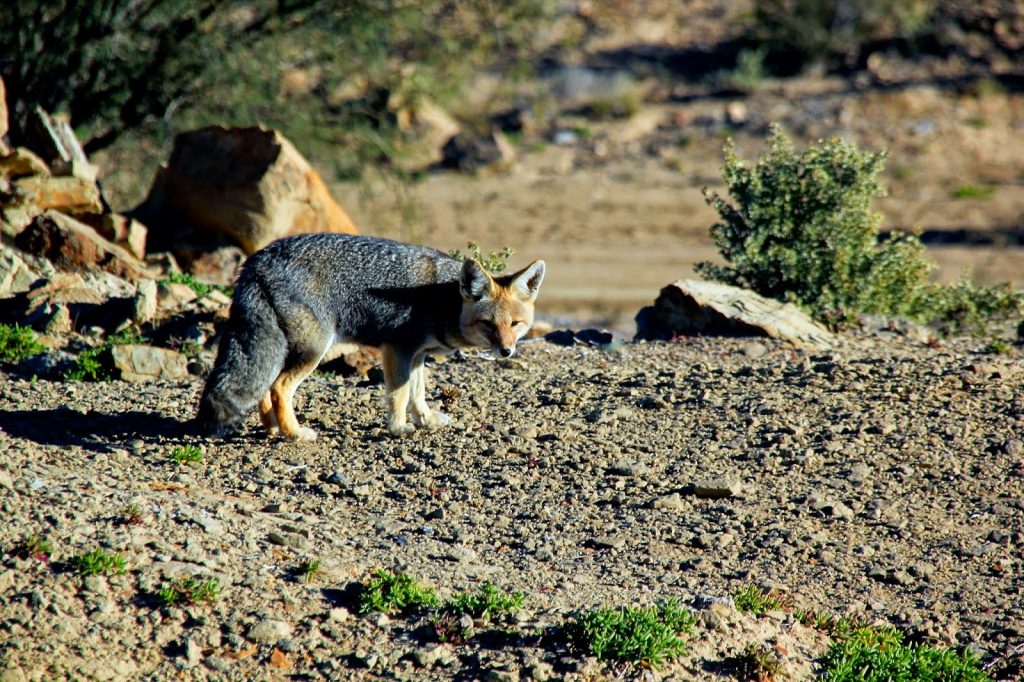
[(300, 296)]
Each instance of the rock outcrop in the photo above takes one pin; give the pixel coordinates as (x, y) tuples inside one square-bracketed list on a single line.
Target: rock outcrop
[(250, 185)]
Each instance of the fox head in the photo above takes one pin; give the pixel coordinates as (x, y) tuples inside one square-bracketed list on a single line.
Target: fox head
[(498, 311)]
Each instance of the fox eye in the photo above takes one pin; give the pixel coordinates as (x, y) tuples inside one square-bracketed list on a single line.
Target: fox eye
[(488, 325), (518, 323)]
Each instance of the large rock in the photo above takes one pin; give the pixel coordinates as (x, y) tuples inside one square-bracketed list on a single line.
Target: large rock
[(20, 162), (15, 275), (92, 299), (697, 307), (71, 245), (67, 194), (249, 184), (139, 362)]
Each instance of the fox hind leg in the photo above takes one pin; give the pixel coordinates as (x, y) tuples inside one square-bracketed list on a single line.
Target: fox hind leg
[(398, 369), (300, 364), (267, 416)]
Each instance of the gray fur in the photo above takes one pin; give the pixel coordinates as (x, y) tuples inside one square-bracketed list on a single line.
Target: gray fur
[(300, 295)]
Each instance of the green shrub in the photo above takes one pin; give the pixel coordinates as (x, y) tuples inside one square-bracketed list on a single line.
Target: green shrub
[(34, 547), (825, 30), (486, 603), (395, 593), (754, 600), (187, 454), (972, 192), (98, 562), (189, 591), (201, 288), (875, 654), (495, 261), (18, 343), (799, 227), (647, 636), (92, 364), (97, 364)]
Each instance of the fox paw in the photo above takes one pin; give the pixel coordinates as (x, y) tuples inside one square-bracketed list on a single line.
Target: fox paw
[(432, 420), (303, 434), (402, 429)]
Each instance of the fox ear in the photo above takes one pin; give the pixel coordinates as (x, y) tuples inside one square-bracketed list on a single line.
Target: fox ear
[(474, 282), (527, 281)]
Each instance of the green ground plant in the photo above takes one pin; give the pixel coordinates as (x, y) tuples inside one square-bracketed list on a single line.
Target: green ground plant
[(189, 591), (309, 570), (495, 261), (757, 663), (756, 601), (879, 654), (33, 547), (97, 364), (836, 31), (185, 454), (972, 192), (486, 603), (799, 227), (201, 288), (131, 515), (98, 562), (643, 635), (388, 592), (18, 343)]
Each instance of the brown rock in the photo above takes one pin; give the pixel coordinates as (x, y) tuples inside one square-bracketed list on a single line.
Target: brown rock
[(71, 245), (144, 305), (123, 231), (21, 162), (471, 152), (96, 298), (172, 295), (697, 307), (249, 184), (15, 275), (219, 266), (143, 363), (65, 194)]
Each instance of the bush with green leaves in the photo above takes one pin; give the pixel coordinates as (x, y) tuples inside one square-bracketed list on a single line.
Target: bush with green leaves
[(486, 603), (495, 261), (799, 227), (18, 343), (879, 654), (189, 591), (644, 635), (389, 592), (756, 601), (837, 30), (98, 562), (97, 364)]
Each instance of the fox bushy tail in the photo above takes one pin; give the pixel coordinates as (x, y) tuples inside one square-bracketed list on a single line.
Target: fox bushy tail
[(251, 354)]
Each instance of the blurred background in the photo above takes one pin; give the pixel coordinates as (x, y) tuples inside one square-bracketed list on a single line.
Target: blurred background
[(579, 132)]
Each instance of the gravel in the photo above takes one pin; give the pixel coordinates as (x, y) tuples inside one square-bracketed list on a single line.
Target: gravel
[(883, 480)]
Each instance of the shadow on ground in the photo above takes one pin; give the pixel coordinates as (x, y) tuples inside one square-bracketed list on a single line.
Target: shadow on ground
[(95, 431)]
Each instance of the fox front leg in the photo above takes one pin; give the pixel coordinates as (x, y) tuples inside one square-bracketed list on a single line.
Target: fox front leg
[(421, 411), (397, 383)]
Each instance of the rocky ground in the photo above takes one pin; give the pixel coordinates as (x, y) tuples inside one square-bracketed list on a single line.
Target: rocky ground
[(883, 480)]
